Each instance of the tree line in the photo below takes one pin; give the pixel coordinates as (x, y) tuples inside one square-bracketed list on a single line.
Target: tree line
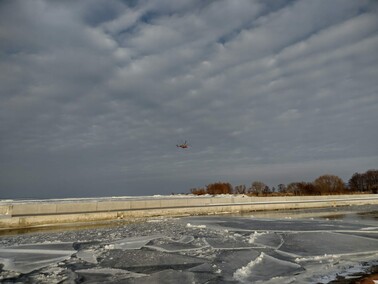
[(324, 185)]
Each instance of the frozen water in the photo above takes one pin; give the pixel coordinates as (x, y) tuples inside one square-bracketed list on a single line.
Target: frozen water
[(87, 255), (26, 258), (264, 268), (147, 261), (174, 276), (230, 261), (107, 275), (201, 249), (310, 244), (240, 224), (132, 243), (169, 245), (272, 240), (185, 239), (233, 244)]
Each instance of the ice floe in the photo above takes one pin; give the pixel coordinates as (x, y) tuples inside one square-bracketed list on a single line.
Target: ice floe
[(29, 257), (200, 249), (265, 267)]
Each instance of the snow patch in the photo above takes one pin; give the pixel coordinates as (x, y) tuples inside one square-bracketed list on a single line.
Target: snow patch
[(109, 246), (253, 272), (244, 272), (319, 258), (254, 236), (369, 228), (188, 225)]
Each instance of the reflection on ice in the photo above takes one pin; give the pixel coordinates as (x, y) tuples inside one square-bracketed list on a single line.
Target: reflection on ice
[(216, 249), (241, 224), (310, 244)]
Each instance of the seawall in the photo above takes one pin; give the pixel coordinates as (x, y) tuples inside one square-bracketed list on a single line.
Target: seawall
[(33, 213)]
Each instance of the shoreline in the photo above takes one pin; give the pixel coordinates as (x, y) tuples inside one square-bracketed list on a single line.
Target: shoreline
[(41, 213), (224, 243)]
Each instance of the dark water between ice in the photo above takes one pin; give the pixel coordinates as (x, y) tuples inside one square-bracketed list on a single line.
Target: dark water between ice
[(296, 246)]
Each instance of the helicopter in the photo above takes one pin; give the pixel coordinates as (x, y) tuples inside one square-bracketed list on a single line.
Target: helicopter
[(183, 145)]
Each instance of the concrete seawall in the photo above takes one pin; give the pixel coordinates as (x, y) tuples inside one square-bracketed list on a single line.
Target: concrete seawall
[(32, 213)]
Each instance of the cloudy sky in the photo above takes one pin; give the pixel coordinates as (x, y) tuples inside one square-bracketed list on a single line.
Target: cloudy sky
[(95, 94)]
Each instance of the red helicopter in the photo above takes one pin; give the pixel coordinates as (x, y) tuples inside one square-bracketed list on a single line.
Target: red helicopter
[(183, 145)]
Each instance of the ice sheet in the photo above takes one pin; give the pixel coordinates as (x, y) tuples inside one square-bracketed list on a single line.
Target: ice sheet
[(26, 258), (272, 240), (106, 275), (147, 261), (265, 267), (87, 255), (216, 249), (229, 261), (132, 242), (229, 244), (330, 243), (172, 276), (169, 245), (240, 224)]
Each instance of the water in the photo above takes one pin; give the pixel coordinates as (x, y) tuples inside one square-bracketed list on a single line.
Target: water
[(298, 246)]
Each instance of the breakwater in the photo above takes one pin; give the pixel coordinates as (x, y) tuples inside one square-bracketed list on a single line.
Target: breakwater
[(32, 213)]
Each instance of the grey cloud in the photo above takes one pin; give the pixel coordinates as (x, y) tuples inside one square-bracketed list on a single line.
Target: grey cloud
[(95, 94)]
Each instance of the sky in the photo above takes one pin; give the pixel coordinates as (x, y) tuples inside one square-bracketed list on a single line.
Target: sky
[(95, 94)]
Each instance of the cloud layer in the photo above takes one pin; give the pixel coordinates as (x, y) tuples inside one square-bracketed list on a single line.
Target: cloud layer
[(94, 95)]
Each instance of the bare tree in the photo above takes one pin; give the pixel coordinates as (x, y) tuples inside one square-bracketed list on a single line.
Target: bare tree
[(294, 188), (198, 191), (281, 188), (308, 188), (329, 184), (356, 182), (372, 180), (219, 188), (257, 187), (240, 189), (365, 182)]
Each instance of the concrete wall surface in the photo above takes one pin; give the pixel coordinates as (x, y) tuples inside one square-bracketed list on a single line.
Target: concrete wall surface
[(29, 213)]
